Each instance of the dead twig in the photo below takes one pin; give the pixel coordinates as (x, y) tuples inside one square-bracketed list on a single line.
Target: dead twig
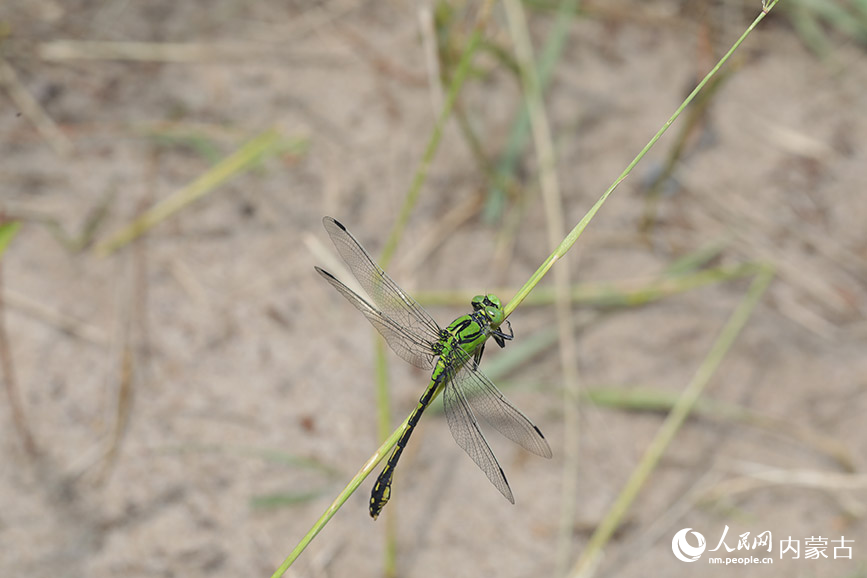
[(12, 392), (31, 109)]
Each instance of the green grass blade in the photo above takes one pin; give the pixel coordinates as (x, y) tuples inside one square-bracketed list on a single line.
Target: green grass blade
[(197, 141), (273, 501), (681, 410), (8, 231), (699, 258), (247, 157), (268, 455)]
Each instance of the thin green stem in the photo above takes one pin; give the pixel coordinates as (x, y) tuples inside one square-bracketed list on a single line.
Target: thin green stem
[(582, 224), (353, 485)]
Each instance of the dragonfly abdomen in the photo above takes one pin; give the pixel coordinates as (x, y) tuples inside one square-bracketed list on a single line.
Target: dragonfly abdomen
[(381, 492)]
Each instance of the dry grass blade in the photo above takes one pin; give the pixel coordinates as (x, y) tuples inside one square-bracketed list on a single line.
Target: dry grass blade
[(751, 238), (7, 232), (33, 111), (445, 226), (67, 50), (755, 476), (62, 322), (123, 411), (427, 29)]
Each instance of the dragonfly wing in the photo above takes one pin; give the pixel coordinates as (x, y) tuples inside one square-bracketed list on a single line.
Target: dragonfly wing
[(391, 301), (487, 402), (407, 344), (467, 434)]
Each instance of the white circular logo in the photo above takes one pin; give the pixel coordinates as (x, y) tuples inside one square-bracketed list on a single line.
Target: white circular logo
[(683, 550)]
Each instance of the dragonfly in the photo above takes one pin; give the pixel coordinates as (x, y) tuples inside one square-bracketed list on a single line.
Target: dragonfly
[(453, 354)]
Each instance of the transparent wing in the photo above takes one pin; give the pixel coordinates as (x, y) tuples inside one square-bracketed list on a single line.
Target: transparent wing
[(487, 402), (466, 432), (391, 301), (407, 344)]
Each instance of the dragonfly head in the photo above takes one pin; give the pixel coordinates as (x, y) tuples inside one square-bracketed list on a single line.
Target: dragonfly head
[(492, 308)]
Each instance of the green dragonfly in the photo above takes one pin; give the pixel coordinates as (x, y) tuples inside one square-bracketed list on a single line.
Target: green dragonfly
[(452, 353)]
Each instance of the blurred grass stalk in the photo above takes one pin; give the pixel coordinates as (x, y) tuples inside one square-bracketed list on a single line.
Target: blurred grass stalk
[(529, 346), (553, 203), (176, 52), (812, 20), (695, 118), (8, 230), (30, 108), (505, 168), (245, 158), (590, 557), (657, 401)]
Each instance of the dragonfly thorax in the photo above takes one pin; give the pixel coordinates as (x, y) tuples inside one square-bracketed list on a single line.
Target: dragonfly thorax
[(469, 331)]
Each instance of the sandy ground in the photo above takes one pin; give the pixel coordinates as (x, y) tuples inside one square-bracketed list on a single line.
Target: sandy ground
[(237, 351)]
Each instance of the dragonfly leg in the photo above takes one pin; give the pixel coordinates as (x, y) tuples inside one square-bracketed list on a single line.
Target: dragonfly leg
[(501, 337)]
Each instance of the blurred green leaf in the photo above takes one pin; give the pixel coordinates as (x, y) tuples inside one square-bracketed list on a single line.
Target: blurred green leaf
[(7, 232), (271, 501)]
